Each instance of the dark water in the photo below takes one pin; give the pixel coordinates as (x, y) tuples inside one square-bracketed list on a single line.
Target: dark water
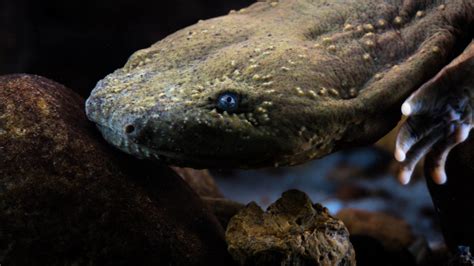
[(323, 179), (79, 42)]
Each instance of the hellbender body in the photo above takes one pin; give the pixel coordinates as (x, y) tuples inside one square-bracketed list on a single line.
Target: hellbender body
[(311, 77)]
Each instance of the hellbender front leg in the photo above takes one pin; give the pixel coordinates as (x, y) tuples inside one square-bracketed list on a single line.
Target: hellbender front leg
[(439, 117)]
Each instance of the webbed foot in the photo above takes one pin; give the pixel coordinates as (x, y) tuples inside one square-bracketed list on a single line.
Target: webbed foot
[(440, 116)]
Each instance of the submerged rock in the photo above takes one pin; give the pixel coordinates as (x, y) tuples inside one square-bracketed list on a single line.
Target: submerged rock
[(223, 209), (392, 232), (292, 231), (382, 239), (201, 181), (68, 198)]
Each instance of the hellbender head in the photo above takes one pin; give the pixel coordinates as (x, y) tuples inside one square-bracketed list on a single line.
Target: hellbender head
[(254, 88)]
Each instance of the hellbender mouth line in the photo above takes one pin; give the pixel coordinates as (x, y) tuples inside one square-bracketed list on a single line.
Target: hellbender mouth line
[(143, 152)]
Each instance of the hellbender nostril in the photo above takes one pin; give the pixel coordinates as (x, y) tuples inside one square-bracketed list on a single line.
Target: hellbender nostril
[(129, 129)]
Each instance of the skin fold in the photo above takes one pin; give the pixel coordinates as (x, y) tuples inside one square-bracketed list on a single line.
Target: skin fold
[(281, 83)]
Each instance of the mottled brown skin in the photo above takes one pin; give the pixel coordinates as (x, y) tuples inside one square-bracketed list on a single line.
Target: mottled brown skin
[(311, 76), (67, 198)]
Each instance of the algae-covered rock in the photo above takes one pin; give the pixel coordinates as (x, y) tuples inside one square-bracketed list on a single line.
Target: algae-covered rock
[(292, 231), (67, 198)]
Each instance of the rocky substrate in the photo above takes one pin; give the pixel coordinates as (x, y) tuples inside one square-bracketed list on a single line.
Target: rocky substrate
[(201, 181), (383, 239), (292, 231), (68, 198)]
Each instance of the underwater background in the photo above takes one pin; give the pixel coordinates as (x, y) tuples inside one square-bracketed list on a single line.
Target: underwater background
[(77, 43)]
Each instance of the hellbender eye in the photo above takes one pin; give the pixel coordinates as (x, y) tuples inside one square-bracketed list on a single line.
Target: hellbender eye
[(228, 102)]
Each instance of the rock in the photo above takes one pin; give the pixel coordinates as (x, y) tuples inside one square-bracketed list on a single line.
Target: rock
[(382, 239), (201, 181), (453, 201), (68, 198), (292, 231), (392, 232), (352, 191), (347, 192), (223, 209)]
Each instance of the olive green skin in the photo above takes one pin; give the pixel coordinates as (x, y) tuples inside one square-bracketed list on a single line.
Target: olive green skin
[(312, 77)]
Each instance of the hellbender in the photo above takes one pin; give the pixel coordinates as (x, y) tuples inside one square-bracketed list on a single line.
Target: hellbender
[(281, 83)]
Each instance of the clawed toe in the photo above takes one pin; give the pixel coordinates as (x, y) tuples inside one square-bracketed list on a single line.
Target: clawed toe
[(414, 141), (439, 118), (433, 135)]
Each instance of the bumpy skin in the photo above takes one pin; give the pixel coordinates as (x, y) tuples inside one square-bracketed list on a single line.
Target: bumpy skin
[(312, 76)]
